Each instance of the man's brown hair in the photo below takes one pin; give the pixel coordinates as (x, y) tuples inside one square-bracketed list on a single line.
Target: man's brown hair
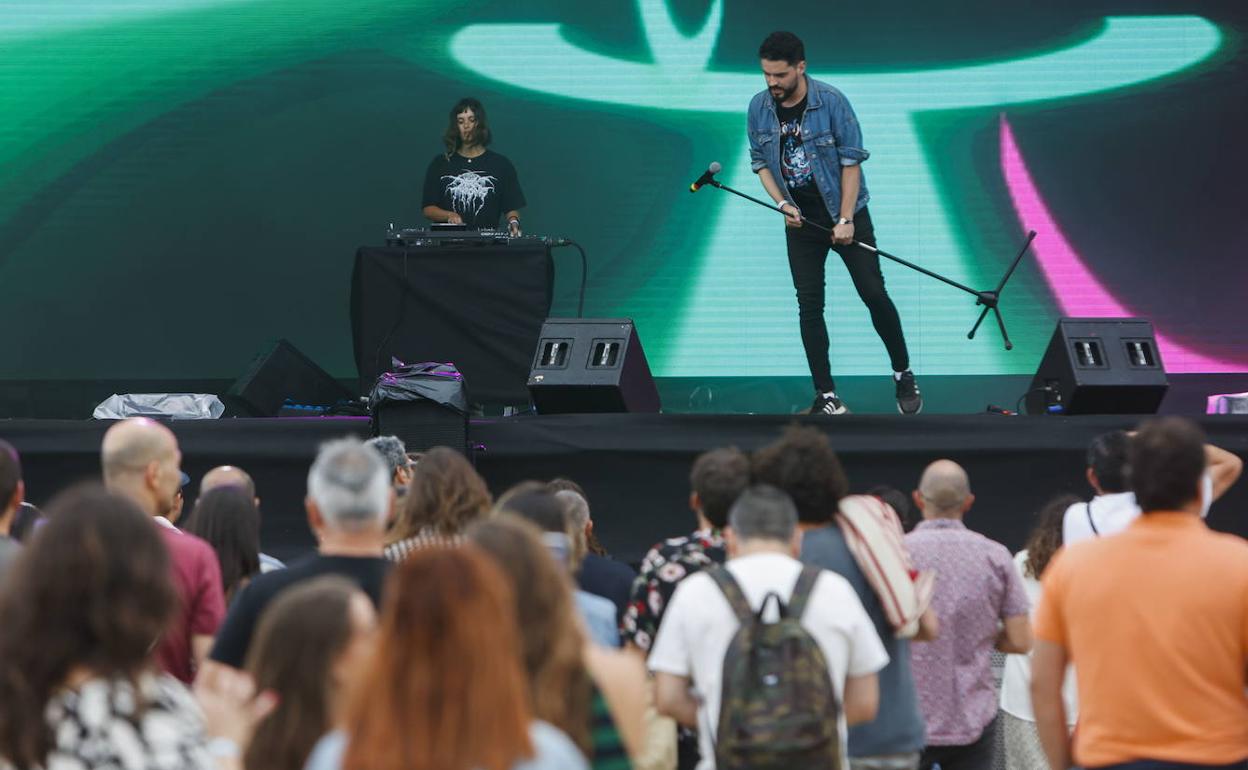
[(1166, 458)]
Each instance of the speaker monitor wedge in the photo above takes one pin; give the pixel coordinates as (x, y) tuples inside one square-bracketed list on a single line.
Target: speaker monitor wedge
[(280, 373), (585, 365), (1099, 366)]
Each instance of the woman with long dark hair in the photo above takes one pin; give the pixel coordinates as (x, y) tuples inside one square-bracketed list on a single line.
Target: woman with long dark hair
[(1019, 737), (80, 614), (445, 495), (227, 518), (445, 688), (310, 645), (595, 694)]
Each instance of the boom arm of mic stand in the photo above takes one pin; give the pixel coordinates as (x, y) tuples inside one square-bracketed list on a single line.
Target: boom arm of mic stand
[(989, 299), (869, 248)]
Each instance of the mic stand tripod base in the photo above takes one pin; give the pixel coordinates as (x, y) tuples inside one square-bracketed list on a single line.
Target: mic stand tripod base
[(989, 300)]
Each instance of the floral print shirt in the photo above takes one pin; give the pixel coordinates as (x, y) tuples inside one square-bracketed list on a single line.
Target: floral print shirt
[(665, 565)]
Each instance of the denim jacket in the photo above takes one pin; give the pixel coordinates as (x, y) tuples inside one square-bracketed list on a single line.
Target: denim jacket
[(830, 135)]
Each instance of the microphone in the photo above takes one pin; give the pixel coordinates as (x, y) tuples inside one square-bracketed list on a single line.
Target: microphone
[(706, 177)]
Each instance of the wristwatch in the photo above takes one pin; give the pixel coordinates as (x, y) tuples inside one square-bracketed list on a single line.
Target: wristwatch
[(844, 221)]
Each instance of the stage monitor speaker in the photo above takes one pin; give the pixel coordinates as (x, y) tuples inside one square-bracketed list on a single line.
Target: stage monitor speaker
[(281, 373), (421, 425), (1099, 366), (587, 365)]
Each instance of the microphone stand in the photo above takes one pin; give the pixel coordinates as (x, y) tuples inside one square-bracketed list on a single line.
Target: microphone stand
[(991, 300)]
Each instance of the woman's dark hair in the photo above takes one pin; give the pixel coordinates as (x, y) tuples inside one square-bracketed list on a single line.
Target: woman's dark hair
[(91, 590), (483, 134), (227, 518), (551, 638), (445, 495), (803, 465), (299, 638), (782, 46), (1046, 537), (900, 502), (1107, 457)]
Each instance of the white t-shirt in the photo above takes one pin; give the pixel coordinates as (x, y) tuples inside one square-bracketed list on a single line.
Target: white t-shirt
[(1016, 677), (699, 623), (1113, 513)]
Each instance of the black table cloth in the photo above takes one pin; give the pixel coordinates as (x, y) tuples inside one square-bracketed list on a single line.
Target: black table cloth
[(479, 307)]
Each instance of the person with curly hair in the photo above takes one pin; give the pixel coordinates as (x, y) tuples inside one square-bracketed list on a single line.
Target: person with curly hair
[(1018, 721)]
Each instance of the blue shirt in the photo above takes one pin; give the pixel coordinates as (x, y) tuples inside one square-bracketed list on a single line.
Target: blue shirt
[(599, 616), (898, 726), (830, 137)]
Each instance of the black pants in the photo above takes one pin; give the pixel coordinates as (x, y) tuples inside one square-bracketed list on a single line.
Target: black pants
[(973, 756), (808, 255)]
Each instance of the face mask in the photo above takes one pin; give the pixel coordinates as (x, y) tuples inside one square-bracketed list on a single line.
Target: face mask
[(1206, 494)]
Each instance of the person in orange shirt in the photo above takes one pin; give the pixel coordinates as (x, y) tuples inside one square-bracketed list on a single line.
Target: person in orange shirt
[(1155, 620)]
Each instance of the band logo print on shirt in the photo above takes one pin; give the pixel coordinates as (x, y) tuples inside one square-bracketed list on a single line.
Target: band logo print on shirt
[(469, 190)]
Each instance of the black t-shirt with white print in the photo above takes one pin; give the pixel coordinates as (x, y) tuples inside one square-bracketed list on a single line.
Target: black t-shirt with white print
[(480, 189), (795, 165)]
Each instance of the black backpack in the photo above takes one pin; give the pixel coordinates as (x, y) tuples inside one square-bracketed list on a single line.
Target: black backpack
[(778, 706)]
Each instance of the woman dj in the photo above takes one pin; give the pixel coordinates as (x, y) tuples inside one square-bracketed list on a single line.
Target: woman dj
[(469, 184)]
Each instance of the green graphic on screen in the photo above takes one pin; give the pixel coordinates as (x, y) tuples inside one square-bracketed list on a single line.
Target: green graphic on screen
[(741, 300), (193, 177)]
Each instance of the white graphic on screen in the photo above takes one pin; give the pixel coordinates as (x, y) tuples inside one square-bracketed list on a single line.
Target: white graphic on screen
[(469, 190)]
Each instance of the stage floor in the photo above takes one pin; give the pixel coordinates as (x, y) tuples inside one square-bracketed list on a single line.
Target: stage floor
[(635, 467)]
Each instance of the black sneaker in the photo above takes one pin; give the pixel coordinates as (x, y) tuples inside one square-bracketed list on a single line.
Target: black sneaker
[(828, 405), (909, 400)]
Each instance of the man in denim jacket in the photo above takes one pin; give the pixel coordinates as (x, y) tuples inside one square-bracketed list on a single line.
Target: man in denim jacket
[(806, 147)]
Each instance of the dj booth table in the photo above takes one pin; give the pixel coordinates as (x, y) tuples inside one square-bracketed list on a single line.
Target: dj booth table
[(480, 307)]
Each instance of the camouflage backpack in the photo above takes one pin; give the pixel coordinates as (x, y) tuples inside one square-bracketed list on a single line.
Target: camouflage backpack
[(778, 707)]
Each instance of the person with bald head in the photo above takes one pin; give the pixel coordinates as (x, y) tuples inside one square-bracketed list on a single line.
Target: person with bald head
[(141, 461), (229, 476), (233, 476), (981, 604)]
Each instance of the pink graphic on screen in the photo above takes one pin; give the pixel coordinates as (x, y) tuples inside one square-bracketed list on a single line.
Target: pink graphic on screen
[(1078, 291)]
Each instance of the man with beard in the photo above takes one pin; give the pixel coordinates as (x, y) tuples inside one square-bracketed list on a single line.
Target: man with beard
[(806, 147), (469, 184)]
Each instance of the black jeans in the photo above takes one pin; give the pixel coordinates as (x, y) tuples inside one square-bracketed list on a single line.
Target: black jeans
[(973, 756), (808, 255)]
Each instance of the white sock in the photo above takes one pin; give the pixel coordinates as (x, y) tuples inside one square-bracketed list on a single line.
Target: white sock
[(897, 376), (829, 394)]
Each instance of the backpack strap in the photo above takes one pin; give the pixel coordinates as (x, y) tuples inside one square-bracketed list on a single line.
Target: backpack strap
[(732, 591), (801, 590)]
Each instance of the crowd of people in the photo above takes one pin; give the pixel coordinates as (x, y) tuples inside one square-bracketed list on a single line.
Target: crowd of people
[(797, 625)]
